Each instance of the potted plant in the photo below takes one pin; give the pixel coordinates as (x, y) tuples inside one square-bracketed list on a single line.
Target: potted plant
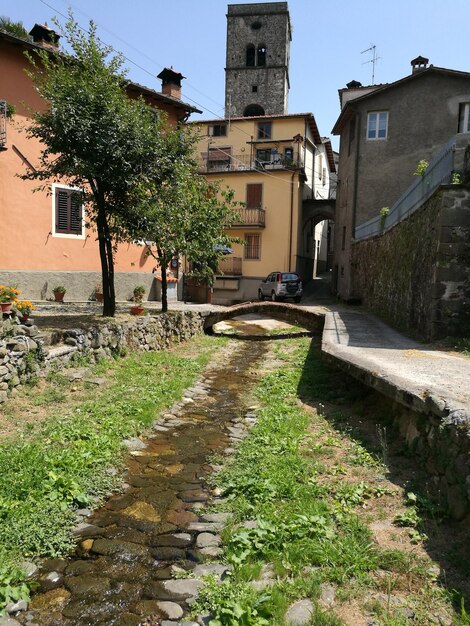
[(8, 296), (24, 308), (137, 308), (99, 292), (59, 293)]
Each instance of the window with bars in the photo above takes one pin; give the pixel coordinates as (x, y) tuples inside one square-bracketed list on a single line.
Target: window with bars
[(68, 211), (252, 247)]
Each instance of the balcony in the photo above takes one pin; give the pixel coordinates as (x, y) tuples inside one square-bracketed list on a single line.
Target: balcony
[(221, 160), (252, 217), (230, 266)]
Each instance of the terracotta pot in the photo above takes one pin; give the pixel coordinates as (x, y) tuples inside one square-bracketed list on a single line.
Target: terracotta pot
[(59, 296), (6, 307), (24, 317), (137, 310), (99, 297)]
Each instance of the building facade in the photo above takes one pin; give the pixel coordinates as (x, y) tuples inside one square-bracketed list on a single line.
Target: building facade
[(276, 166), (45, 240), (385, 131)]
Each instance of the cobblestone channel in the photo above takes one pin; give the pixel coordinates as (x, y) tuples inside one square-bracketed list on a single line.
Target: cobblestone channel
[(130, 552)]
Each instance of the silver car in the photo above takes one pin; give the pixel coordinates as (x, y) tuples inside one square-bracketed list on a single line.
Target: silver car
[(281, 285)]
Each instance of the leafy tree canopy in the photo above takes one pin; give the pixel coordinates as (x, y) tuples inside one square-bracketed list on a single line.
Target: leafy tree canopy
[(14, 28)]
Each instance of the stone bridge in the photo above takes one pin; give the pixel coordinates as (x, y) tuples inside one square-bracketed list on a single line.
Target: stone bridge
[(289, 313)]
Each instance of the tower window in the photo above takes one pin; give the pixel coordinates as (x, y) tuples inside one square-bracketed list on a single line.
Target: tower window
[(254, 88), (250, 56), (261, 55), (256, 25), (252, 110)]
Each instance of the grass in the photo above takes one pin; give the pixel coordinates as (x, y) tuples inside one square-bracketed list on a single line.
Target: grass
[(308, 522), (49, 470)]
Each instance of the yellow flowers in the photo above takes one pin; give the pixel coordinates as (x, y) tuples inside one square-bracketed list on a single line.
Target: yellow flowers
[(8, 294), (24, 306)]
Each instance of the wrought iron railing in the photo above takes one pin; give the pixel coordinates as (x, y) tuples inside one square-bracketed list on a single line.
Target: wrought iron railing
[(226, 162), (230, 266), (248, 217), (438, 172)]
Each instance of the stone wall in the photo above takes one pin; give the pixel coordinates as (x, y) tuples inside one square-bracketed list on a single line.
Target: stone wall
[(26, 353), (417, 275)]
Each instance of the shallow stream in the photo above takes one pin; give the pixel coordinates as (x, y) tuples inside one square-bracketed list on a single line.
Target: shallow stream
[(128, 549)]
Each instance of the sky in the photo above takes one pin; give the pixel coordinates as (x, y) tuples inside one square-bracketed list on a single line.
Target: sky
[(327, 41)]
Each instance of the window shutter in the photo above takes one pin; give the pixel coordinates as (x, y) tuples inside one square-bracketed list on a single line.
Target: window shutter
[(62, 211), (461, 128), (75, 212), (254, 195)]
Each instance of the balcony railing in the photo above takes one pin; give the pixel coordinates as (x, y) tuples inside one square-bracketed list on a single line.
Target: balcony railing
[(3, 124), (243, 162), (230, 266), (248, 217)]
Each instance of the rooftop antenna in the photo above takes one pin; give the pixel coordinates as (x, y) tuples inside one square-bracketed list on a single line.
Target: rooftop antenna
[(375, 58)]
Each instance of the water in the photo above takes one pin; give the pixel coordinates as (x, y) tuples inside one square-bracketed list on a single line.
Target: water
[(116, 576)]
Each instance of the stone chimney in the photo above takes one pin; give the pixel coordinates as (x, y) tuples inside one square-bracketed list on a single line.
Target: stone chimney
[(171, 82), (354, 84), (45, 36), (419, 64)]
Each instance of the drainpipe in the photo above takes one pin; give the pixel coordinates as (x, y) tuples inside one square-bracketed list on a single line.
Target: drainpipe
[(291, 217)]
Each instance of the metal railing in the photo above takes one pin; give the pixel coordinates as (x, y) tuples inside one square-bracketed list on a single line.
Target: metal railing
[(248, 217), (3, 124), (230, 266), (243, 162), (438, 172)]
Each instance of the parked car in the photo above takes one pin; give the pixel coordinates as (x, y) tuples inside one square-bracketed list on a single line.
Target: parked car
[(281, 285)]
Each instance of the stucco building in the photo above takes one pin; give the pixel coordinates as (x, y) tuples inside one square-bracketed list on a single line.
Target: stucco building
[(385, 131), (44, 240)]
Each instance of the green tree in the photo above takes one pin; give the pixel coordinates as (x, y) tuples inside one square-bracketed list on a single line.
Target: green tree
[(186, 215), (97, 139)]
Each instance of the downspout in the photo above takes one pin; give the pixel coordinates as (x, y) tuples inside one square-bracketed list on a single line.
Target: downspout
[(354, 208), (291, 217)]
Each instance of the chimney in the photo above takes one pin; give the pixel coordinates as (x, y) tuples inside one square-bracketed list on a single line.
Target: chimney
[(45, 36), (354, 84), (419, 64), (171, 82)]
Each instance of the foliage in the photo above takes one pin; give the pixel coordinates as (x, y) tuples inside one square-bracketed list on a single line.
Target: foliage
[(13, 587), (8, 294), (96, 139), (14, 28), (139, 292), (59, 289), (421, 168), (456, 178), (186, 215)]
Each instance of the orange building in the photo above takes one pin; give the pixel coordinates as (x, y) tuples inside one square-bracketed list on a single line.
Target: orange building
[(43, 238)]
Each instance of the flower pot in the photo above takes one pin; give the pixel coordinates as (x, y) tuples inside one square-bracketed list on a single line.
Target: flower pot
[(59, 296), (99, 297), (24, 317), (138, 309), (6, 307)]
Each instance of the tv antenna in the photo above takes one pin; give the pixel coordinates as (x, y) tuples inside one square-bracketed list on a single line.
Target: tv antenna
[(375, 58)]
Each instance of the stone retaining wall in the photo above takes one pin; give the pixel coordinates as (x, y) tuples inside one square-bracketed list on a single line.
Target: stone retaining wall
[(26, 353), (417, 275)]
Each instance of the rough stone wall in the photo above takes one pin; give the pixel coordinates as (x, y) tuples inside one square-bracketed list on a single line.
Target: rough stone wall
[(271, 80), (417, 275), (25, 353)]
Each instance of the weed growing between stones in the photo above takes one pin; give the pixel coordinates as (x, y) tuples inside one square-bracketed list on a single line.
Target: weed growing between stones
[(307, 502), (61, 464)]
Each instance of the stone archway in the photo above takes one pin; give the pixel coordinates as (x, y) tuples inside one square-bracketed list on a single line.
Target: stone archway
[(289, 313), (317, 241)]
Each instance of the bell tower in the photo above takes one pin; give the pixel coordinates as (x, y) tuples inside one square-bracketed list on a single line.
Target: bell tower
[(257, 63)]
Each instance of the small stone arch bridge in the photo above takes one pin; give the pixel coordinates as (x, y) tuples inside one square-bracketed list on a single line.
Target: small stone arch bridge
[(289, 313)]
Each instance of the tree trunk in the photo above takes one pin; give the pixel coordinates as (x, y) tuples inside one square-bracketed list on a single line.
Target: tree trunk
[(163, 265), (107, 261)]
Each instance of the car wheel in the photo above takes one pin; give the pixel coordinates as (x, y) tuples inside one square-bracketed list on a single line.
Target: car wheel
[(273, 296), (297, 299), (260, 295)]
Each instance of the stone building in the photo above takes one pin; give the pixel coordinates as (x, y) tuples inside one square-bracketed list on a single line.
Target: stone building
[(257, 63)]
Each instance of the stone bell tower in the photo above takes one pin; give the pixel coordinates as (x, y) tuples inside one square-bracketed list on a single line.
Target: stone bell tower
[(257, 64)]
